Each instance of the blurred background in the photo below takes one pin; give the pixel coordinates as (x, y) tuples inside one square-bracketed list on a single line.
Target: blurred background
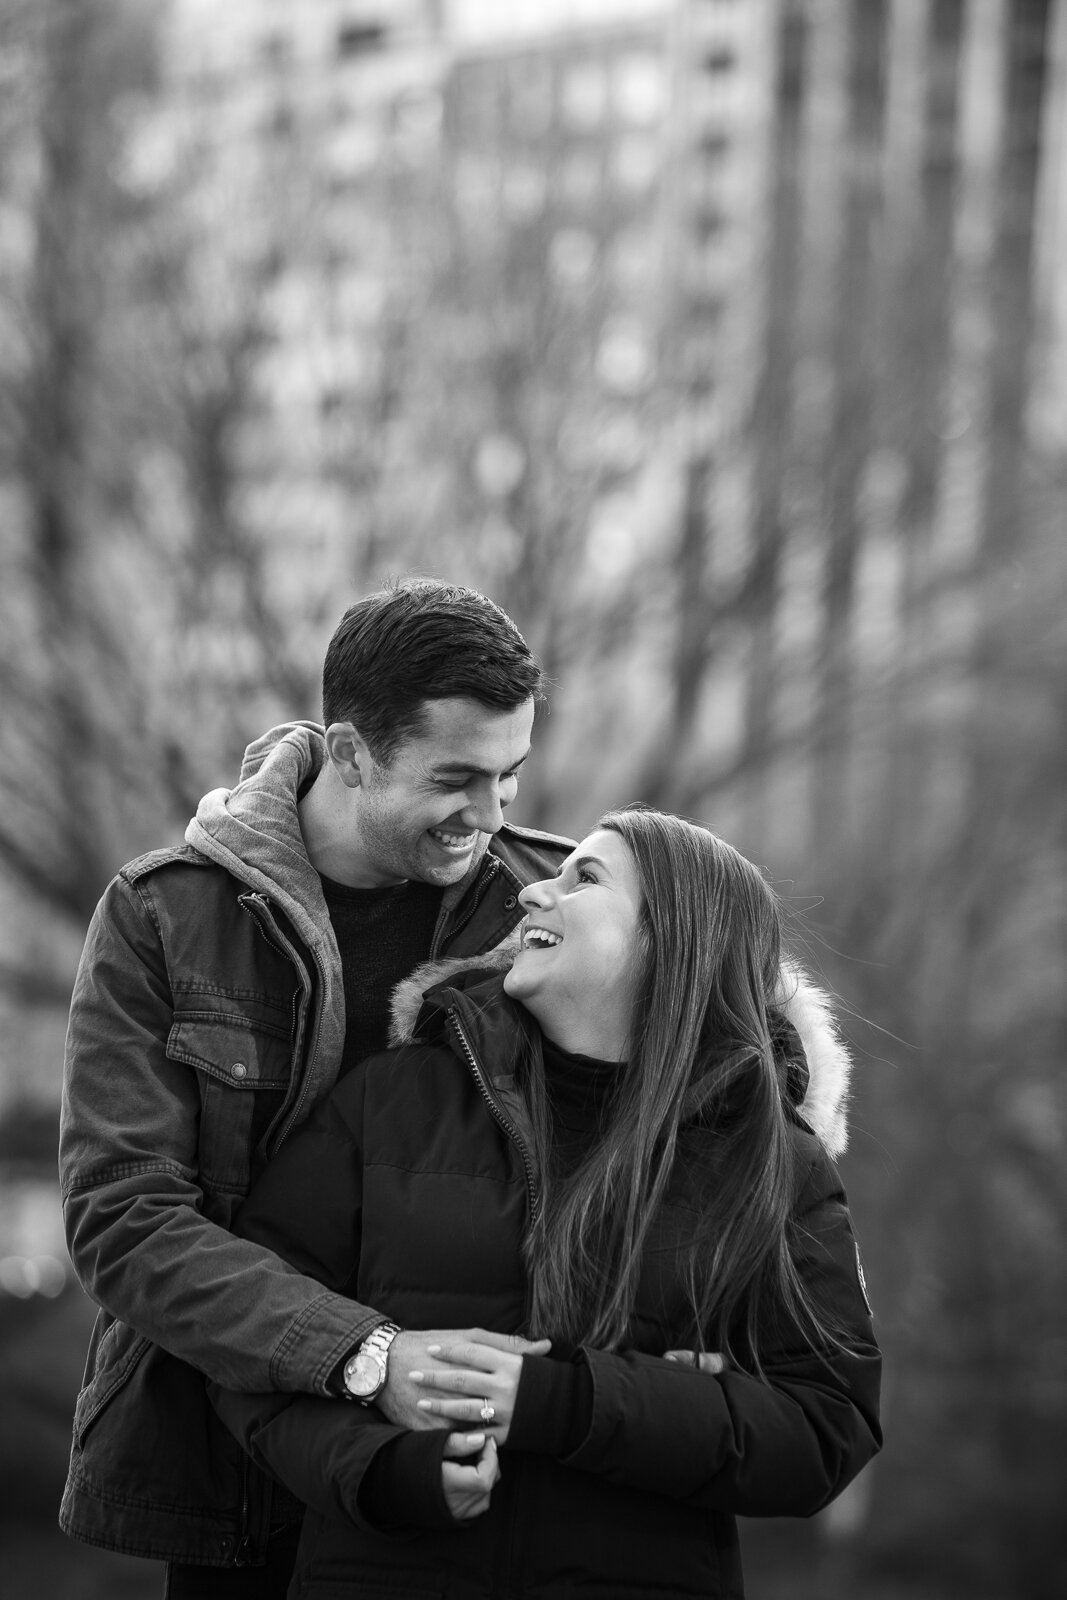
[(723, 342)]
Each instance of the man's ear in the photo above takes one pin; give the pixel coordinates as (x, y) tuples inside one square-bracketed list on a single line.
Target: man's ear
[(348, 754)]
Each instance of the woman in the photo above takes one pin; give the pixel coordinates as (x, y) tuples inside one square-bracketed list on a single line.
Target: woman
[(610, 1147)]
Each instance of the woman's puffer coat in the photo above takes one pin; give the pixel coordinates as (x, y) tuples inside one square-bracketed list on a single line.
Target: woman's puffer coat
[(409, 1190)]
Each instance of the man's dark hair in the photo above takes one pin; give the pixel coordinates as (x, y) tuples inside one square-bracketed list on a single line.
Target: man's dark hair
[(422, 640)]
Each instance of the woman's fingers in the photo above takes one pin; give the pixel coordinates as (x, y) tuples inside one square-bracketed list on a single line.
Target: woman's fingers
[(468, 1487), (459, 1410), (467, 1373), (460, 1445), (475, 1384), (478, 1357), (485, 1352), (511, 1342), (708, 1361)]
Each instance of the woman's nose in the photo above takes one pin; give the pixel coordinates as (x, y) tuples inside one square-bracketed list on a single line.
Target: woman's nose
[(535, 894)]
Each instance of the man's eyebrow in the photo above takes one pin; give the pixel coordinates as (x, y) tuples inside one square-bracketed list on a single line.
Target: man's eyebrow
[(441, 767)]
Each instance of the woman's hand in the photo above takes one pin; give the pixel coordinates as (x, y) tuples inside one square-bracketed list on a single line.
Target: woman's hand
[(468, 1472), (410, 1356), (708, 1360), (474, 1384)]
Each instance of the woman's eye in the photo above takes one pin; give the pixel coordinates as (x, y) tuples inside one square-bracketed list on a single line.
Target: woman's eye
[(585, 876)]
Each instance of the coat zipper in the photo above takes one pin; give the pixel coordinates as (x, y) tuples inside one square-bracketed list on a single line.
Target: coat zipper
[(498, 1113)]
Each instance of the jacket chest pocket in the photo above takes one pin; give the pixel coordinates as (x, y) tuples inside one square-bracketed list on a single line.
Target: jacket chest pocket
[(243, 1068)]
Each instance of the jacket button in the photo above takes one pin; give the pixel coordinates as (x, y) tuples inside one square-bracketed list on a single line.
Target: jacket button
[(239, 1070), (511, 902)]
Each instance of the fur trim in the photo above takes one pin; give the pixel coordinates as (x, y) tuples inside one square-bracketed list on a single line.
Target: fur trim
[(406, 1003), (807, 1007), (825, 1103)]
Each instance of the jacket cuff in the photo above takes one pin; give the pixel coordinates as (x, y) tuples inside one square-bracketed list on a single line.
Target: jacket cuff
[(553, 1407), (402, 1487)]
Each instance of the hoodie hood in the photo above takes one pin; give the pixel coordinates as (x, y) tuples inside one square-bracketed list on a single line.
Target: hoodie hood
[(824, 1105), (254, 832)]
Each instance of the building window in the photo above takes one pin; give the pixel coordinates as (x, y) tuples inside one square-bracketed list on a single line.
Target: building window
[(639, 87), (585, 94), (531, 99), (582, 174), (635, 163), (721, 58), (360, 38)]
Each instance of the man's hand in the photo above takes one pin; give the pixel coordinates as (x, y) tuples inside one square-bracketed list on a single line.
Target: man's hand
[(410, 1353), (709, 1360), (468, 1486)]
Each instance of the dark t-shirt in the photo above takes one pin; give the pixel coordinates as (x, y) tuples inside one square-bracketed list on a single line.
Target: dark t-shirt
[(382, 936)]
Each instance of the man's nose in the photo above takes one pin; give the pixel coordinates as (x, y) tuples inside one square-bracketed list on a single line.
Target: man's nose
[(485, 810)]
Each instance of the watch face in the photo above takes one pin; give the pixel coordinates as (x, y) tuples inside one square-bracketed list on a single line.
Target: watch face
[(363, 1375)]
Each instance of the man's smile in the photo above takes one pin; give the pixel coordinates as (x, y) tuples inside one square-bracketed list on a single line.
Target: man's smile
[(452, 841)]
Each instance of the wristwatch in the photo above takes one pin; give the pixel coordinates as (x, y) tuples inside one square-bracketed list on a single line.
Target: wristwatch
[(365, 1372)]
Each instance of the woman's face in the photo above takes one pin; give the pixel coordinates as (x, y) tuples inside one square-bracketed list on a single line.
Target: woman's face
[(577, 967)]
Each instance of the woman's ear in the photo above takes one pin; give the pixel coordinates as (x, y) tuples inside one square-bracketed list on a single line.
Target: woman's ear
[(348, 754)]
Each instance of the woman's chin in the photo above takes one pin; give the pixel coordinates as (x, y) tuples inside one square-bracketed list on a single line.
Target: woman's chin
[(519, 981)]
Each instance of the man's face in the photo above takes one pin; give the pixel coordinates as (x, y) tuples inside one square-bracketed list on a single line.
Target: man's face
[(420, 816)]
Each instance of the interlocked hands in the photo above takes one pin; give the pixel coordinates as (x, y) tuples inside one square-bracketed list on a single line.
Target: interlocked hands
[(444, 1376), (468, 1380)]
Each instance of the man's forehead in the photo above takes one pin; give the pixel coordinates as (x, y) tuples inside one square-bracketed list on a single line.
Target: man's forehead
[(462, 735)]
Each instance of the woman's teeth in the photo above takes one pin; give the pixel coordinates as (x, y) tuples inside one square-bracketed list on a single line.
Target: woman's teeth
[(541, 937)]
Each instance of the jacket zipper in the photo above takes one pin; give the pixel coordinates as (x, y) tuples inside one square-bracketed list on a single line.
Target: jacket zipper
[(274, 936), (242, 1554), (490, 868), (498, 1113)]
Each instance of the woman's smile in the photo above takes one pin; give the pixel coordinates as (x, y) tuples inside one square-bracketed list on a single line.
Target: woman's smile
[(537, 937), (588, 919)]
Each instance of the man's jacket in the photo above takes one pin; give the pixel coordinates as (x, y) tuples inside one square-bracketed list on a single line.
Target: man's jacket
[(207, 1021), (414, 1183)]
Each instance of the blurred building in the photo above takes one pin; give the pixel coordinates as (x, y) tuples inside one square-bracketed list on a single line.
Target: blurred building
[(626, 155)]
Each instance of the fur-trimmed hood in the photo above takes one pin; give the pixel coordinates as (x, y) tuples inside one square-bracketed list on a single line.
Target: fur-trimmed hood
[(808, 1008)]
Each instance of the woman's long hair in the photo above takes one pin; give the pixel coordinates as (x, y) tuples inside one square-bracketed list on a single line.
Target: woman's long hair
[(700, 1071)]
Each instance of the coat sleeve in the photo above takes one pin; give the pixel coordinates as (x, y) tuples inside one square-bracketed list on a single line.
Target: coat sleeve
[(133, 1205), (308, 1205), (323, 1450), (732, 1442)]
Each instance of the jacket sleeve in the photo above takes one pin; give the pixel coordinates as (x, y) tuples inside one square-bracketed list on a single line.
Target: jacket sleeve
[(731, 1442), (133, 1205)]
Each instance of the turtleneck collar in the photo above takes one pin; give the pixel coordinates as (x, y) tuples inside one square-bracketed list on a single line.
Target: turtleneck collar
[(579, 1091)]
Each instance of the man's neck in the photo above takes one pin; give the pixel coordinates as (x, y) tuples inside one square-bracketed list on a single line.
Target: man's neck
[(327, 830)]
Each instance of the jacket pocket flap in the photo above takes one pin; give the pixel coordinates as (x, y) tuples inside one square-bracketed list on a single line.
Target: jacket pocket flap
[(230, 1049), (118, 1356)]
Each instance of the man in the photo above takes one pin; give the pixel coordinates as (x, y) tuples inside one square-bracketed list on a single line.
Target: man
[(225, 985)]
